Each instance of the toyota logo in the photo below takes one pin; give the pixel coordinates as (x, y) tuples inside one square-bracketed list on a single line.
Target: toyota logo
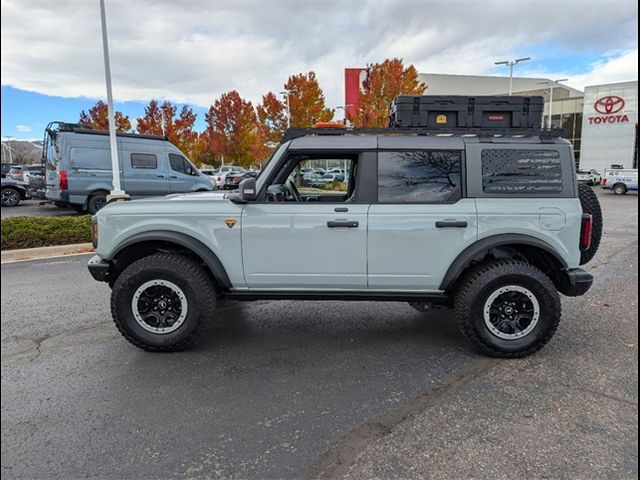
[(609, 104)]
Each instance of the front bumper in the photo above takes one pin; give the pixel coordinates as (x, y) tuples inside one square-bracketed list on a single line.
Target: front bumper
[(574, 282), (99, 268)]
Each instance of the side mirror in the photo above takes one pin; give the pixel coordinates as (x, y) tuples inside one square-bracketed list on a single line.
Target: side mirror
[(247, 191)]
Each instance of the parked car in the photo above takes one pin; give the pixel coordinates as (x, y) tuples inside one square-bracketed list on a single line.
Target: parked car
[(78, 167), (620, 180), (23, 173), (233, 179), (222, 172), (494, 227), (590, 177), (6, 167), (13, 192)]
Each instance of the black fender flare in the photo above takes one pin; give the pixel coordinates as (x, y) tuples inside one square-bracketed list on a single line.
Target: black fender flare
[(479, 248), (186, 241)]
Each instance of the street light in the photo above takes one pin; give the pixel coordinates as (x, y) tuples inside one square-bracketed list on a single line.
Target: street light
[(552, 84), (345, 108), (511, 64), (286, 93)]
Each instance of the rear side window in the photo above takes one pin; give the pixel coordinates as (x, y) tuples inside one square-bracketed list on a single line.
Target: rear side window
[(421, 176), (90, 158), (144, 160), (521, 171)]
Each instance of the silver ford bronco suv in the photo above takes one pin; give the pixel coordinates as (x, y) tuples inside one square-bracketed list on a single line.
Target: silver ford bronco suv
[(491, 223)]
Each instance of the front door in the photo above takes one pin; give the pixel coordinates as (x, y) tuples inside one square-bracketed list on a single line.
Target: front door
[(307, 232)]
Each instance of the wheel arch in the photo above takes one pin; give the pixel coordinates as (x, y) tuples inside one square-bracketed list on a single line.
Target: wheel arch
[(146, 243), (535, 251)]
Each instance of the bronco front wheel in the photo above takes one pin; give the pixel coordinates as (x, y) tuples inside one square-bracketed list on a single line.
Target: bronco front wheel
[(159, 302)]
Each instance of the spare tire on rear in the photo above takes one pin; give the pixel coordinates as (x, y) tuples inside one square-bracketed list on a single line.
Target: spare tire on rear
[(591, 205)]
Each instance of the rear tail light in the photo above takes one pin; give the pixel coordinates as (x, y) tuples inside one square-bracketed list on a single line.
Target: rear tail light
[(219, 179), (604, 181), (585, 231), (64, 180)]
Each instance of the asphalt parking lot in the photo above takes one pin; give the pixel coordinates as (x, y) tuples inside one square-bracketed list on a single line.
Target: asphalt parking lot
[(319, 389), (35, 208)]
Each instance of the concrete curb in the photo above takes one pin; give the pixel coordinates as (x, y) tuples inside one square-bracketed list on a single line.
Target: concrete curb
[(23, 254)]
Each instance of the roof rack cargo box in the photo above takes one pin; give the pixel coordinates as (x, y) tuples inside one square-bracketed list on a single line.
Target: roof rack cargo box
[(457, 111)]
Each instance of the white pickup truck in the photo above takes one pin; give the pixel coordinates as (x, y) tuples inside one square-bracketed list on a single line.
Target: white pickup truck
[(620, 180)]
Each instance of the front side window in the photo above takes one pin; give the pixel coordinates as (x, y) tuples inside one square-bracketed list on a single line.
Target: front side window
[(420, 176), (180, 164), (144, 160), (318, 178), (521, 171)]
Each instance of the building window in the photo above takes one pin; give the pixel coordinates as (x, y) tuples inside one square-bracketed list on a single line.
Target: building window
[(432, 176), (144, 160), (521, 171)]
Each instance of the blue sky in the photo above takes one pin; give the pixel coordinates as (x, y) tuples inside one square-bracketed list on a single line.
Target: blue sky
[(190, 52), (23, 110)]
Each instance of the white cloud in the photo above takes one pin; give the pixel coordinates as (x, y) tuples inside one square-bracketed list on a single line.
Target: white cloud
[(192, 51), (23, 128)]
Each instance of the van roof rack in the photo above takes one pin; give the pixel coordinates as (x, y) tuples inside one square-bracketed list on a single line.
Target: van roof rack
[(56, 127), (292, 133)]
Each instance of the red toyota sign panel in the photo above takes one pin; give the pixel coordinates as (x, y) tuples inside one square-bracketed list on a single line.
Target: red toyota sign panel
[(609, 104), (608, 108)]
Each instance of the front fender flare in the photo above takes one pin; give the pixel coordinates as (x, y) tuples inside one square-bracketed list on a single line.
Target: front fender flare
[(186, 241)]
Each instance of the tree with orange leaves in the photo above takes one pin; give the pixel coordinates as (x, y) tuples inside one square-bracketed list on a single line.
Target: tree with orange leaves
[(306, 101), (178, 130), (97, 118), (383, 83), (272, 118), (232, 130)]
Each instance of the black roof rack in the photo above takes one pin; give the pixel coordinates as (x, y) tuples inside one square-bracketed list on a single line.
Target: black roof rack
[(77, 128), (292, 133)]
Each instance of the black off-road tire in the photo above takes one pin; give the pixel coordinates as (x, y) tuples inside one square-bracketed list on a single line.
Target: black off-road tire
[(591, 205), (476, 287), (189, 275)]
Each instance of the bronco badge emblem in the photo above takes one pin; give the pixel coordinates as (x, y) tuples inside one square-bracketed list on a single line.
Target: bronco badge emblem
[(230, 222)]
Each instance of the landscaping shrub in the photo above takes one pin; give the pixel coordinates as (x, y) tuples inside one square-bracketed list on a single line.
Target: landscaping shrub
[(28, 232)]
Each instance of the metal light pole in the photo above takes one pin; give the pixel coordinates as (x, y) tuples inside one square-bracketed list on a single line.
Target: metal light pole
[(552, 84), (286, 94), (9, 148), (511, 64), (344, 107), (117, 191)]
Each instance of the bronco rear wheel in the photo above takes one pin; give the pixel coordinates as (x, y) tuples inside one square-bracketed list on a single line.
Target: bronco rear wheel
[(507, 308), (591, 205), (159, 302)]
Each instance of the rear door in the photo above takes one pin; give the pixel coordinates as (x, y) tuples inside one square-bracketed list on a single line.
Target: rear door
[(421, 222)]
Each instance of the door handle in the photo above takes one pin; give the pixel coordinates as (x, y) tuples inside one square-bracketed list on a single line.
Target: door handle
[(451, 224), (341, 209), (160, 176), (342, 224), (173, 176)]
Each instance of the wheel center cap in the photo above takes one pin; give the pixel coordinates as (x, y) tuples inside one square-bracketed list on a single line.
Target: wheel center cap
[(162, 304), (508, 310)]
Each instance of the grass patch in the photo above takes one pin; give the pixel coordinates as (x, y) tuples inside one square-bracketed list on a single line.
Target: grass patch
[(30, 232)]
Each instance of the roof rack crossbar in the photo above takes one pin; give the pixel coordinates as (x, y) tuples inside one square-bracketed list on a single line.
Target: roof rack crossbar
[(292, 133)]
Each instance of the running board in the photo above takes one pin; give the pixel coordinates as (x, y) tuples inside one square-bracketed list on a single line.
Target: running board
[(428, 297)]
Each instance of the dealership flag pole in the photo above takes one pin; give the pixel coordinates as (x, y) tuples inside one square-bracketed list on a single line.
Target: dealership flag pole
[(116, 192)]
